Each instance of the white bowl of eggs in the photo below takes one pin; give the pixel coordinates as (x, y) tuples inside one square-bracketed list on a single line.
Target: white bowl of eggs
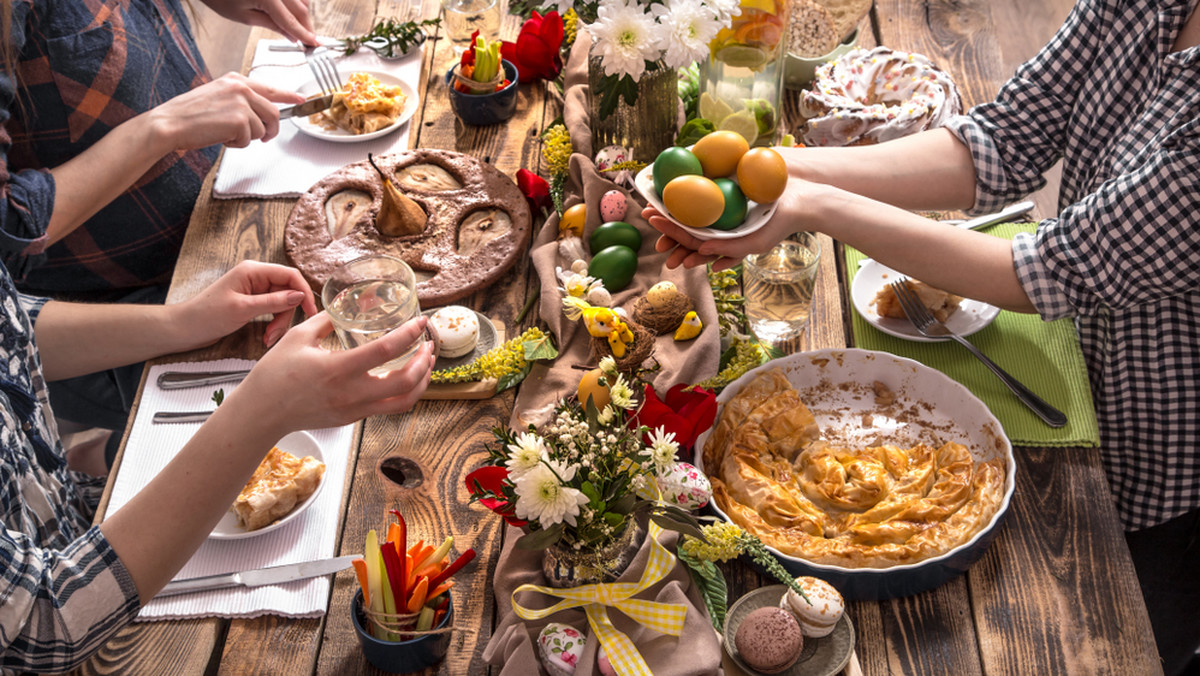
[(719, 188)]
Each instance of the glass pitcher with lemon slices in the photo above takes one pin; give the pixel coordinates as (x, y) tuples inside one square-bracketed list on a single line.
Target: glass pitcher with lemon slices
[(741, 83)]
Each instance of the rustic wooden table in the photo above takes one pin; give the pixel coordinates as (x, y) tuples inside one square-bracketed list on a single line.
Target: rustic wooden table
[(1056, 592)]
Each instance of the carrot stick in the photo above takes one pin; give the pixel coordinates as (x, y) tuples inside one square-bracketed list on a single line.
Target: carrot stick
[(401, 548), (441, 589), (428, 571), (416, 549), (412, 570), (360, 569), (395, 577), (393, 532), (418, 595)]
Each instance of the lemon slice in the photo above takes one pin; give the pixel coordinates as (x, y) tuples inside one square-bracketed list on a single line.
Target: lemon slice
[(741, 56), (767, 6), (741, 122), (713, 109)]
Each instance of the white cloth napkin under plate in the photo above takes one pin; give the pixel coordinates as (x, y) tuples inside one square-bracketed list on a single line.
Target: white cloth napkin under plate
[(311, 536), (288, 165)]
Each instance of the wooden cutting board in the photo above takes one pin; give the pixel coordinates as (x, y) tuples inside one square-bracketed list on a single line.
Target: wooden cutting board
[(481, 389)]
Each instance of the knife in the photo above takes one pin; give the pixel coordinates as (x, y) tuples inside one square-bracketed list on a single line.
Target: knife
[(313, 105), (256, 578), (175, 380), (180, 416), (1005, 215)]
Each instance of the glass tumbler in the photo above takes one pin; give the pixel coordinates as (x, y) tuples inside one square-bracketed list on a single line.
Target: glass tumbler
[(368, 297), (779, 285)]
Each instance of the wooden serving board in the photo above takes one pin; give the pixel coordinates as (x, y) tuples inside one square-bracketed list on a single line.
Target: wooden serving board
[(481, 389)]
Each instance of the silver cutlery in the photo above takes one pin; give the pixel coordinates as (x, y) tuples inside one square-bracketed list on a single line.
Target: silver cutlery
[(1009, 213), (168, 417), (323, 69), (378, 45), (177, 380), (309, 107), (930, 327), (256, 578)]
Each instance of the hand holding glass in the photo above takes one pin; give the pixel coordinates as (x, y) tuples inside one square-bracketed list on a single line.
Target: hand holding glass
[(368, 297)]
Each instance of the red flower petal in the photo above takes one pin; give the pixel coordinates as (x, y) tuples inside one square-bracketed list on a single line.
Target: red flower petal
[(536, 190)]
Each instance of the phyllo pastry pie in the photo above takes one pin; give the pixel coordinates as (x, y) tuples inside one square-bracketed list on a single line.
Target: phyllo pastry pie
[(364, 105), (871, 507), (281, 482), (940, 303)]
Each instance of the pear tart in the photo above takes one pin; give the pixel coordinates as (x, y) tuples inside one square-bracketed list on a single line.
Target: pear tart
[(874, 507), (458, 222), (281, 482)]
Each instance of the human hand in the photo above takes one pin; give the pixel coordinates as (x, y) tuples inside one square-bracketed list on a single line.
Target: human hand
[(326, 388), (690, 251), (232, 109), (249, 290), (286, 17)]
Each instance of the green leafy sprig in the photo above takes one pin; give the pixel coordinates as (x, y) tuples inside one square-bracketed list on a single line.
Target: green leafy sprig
[(389, 37)]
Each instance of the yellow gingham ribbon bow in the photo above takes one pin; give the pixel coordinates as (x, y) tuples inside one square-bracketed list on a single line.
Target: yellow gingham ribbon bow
[(665, 618)]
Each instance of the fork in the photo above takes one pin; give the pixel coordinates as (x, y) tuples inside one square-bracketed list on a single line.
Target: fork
[(323, 69), (930, 327)]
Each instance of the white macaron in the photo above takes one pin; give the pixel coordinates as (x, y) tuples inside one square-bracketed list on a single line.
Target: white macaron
[(821, 612), (457, 329)]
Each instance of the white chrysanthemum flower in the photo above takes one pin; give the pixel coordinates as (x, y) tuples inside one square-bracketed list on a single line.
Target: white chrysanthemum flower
[(542, 497), (662, 450), (563, 5), (606, 416), (620, 394), (576, 284), (725, 10), (687, 28), (524, 455), (608, 365), (626, 37)]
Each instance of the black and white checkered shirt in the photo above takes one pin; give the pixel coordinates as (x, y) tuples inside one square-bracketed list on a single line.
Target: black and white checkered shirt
[(1109, 97)]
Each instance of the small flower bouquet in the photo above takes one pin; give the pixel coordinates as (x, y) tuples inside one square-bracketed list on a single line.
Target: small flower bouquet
[(580, 480)]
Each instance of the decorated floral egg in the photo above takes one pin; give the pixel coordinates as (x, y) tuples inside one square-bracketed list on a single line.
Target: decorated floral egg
[(610, 155), (613, 206), (685, 487), (560, 646), (604, 665)]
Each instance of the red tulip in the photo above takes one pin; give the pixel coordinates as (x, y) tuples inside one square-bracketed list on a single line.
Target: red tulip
[(687, 412), (536, 190), (488, 482), (537, 51)]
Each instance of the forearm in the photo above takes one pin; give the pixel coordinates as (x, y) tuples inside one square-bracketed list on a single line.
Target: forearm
[(971, 264), (97, 176), (158, 530), (931, 170), (77, 338)]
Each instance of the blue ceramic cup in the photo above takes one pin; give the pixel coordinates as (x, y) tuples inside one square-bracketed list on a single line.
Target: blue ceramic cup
[(484, 109), (401, 657)]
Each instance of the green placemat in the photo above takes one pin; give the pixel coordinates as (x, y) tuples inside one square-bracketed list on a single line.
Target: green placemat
[(1045, 356)]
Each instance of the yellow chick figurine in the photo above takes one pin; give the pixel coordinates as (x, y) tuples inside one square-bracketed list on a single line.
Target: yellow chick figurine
[(690, 327), (601, 322)]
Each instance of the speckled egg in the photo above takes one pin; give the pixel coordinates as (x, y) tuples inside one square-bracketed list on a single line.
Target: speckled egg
[(560, 646), (685, 487), (613, 206)]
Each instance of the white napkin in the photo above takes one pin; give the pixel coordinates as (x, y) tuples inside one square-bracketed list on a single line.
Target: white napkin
[(288, 165), (311, 536)]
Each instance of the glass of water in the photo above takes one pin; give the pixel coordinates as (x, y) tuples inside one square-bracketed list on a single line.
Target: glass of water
[(370, 296), (464, 17), (778, 287)]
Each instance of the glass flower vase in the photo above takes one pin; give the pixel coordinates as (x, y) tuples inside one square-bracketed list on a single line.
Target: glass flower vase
[(644, 128), (741, 81), (565, 566)]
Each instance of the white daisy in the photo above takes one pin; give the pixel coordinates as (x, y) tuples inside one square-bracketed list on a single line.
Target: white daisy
[(542, 497), (524, 455), (621, 394), (626, 38), (687, 28), (662, 450)]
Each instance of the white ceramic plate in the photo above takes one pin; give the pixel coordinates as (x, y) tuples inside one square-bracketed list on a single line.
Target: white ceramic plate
[(836, 385), (298, 444), (971, 316), (342, 136), (756, 214)]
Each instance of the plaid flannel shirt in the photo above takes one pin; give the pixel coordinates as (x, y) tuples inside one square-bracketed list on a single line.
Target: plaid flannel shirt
[(1109, 97), (85, 67), (63, 591)]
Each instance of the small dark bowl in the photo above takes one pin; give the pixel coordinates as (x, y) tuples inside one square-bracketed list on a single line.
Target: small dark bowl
[(485, 109), (401, 657)]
